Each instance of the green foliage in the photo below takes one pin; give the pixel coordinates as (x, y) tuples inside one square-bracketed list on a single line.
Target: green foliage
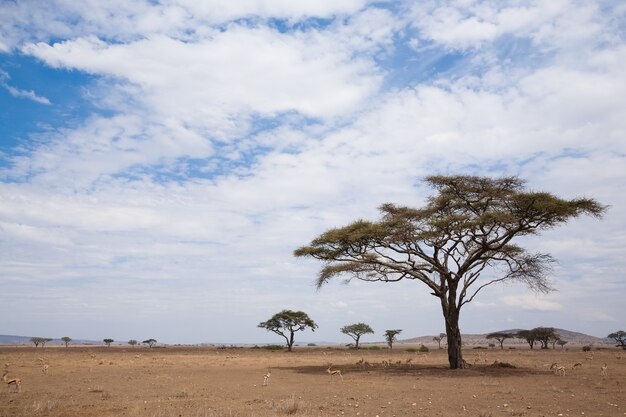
[(108, 342), (66, 340), (374, 348), (132, 342), (286, 323), (40, 341), (412, 350), (586, 348), (423, 349)]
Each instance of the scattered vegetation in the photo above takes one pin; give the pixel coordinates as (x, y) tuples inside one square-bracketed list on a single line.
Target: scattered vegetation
[(390, 336), (619, 337), (586, 348), (423, 349)]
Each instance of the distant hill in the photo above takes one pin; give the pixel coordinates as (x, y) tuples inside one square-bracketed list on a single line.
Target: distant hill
[(573, 338)]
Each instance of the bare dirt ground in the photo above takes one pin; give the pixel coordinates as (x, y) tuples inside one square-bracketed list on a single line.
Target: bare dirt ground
[(207, 382)]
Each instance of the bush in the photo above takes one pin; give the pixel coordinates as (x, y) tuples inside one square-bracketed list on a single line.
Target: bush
[(273, 347), (586, 348), (412, 350), (374, 348), (423, 349)]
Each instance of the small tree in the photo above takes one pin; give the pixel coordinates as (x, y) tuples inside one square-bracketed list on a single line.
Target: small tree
[(619, 337), (544, 335), (561, 343), (36, 340), (149, 342), (108, 342), (390, 336), (66, 340), (439, 339), (287, 323), (132, 342), (529, 335), (357, 330), (500, 337)]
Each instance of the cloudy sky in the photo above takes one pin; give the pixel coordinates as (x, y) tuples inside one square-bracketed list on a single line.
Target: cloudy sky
[(161, 160)]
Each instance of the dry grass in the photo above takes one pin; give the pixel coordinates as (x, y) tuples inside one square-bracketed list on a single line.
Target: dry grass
[(290, 406)]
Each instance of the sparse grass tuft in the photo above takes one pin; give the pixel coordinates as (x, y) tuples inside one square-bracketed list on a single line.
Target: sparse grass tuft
[(39, 406), (289, 406)]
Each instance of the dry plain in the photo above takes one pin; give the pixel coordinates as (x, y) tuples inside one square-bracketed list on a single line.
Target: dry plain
[(210, 382)]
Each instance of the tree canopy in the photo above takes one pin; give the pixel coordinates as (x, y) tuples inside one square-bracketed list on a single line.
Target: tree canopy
[(500, 337), (619, 337), (66, 340), (108, 342), (459, 243), (390, 336), (357, 330), (287, 323), (149, 342)]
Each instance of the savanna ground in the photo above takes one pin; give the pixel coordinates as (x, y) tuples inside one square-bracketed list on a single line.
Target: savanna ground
[(207, 382)]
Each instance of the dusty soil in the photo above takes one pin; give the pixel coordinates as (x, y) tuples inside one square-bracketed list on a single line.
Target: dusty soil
[(206, 382)]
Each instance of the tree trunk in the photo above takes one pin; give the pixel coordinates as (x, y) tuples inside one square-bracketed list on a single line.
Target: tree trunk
[(290, 343), (356, 345), (455, 356)]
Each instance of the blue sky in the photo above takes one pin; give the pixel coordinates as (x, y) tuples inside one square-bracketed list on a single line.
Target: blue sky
[(160, 161)]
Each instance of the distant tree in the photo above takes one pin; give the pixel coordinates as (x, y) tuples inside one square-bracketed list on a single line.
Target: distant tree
[(561, 343), (529, 335), (554, 340), (357, 330), (544, 335), (439, 339), (500, 337), (132, 342), (149, 342), (287, 323), (40, 341), (66, 340), (470, 226), (619, 337), (108, 342), (390, 336)]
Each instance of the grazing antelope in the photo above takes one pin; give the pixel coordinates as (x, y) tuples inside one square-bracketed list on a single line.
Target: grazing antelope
[(558, 369), (577, 365), (604, 368), (361, 363), (15, 381), (333, 372), (266, 378), (589, 357), (44, 368)]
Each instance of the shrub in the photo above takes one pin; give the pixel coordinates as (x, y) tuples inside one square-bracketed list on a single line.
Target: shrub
[(423, 349), (274, 347), (374, 348), (412, 350), (586, 348)]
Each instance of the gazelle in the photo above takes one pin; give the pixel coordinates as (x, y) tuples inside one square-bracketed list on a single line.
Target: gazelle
[(333, 372), (577, 365), (604, 368), (266, 378), (44, 368), (15, 381), (558, 369)]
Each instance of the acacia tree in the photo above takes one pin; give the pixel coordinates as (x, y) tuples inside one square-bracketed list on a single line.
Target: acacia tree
[(66, 340), (561, 343), (459, 243), (108, 342), (287, 323), (390, 336), (40, 341), (529, 335), (149, 342), (620, 338), (132, 342), (357, 330), (439, 339), (500, 337), (544, 335)]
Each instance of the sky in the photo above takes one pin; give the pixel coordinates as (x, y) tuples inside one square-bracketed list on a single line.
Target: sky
[(161, 160)]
